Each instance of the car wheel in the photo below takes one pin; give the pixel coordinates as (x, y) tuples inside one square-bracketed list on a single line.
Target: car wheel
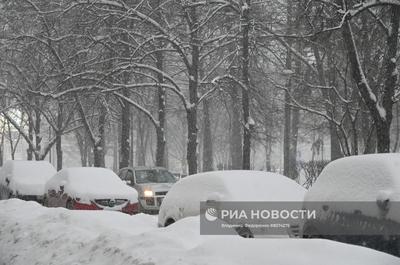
[(69, 205), (169, 221), (244, 232)]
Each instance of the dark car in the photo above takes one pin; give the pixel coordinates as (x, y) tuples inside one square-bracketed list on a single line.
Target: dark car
[(151, 183), (357, 200)]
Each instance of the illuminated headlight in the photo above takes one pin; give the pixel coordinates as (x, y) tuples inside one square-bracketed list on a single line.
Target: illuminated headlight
[(148, 193)]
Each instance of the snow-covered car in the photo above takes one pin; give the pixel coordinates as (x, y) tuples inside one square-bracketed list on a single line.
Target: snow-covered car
[(25, 179), (89, 188), (363, 193), (184, 198), (151, 183)]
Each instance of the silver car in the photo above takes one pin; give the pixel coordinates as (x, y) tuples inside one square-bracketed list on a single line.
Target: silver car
[(151, 183)]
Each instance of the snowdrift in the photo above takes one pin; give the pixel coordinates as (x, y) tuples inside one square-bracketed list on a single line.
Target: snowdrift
[(32, 234)]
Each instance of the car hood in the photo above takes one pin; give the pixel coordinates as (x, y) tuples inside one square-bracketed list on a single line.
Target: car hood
[(154, 186)]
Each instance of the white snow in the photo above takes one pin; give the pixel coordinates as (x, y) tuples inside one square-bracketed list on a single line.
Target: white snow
[(27, 177), (89, 183), (184, 197), (381, 110), (395, 72), (251, 121), (59, 236), (287, 72)]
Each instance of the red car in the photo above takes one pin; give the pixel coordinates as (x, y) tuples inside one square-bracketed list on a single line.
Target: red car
[(89, 188)]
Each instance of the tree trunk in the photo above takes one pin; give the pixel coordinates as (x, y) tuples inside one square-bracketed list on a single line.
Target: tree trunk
[(160, 130), (191, 111), (59, 151), (294, 129), (140, 142), (248, 122), (191, 152), (286, 134), (235, 138), (287, 111), (99, 145), (124, 144), (38, 135), (132, 149), (268, 142), (29, 151), (208, 156)]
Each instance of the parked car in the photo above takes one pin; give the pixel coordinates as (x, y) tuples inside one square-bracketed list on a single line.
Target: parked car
[(25, 179), (152, 184), (89, 188), (184, 198), (360, 197)]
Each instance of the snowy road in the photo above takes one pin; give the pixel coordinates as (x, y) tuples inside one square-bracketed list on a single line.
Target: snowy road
[(32, 234)]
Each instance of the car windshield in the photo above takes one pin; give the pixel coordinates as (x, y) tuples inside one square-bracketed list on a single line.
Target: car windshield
[(154, 176)]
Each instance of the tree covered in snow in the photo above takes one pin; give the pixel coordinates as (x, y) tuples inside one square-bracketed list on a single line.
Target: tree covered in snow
[(203, 84)]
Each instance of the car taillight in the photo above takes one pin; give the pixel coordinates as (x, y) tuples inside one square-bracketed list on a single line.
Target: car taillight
[(131, 208)]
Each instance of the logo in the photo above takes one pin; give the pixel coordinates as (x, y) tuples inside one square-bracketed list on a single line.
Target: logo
[(211, 214), (111, 203)]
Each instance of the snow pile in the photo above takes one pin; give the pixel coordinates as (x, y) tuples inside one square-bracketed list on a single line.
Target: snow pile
[(90, 183), (358, 178), (27, 177), (63, 237), (236, 185)]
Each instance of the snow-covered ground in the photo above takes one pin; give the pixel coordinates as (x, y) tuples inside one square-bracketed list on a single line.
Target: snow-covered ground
[(32, 234)]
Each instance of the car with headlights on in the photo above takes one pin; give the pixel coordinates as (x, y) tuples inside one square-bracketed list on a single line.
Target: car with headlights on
[(151, 183), (25, 180), (90, 188)]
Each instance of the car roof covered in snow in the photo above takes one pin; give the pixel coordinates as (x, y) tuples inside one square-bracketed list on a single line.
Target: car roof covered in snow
[(358, 178), (242, 185), (90, 183), (27, 177), (234, 185)]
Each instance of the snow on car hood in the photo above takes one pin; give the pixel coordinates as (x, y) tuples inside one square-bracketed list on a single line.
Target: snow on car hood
[(27, 177), (63, 237), (89, 183)]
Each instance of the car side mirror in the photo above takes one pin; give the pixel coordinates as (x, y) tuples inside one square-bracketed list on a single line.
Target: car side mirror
[(128, 182)]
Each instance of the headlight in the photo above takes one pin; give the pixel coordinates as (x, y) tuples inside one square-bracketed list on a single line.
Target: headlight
[(148, 193)]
